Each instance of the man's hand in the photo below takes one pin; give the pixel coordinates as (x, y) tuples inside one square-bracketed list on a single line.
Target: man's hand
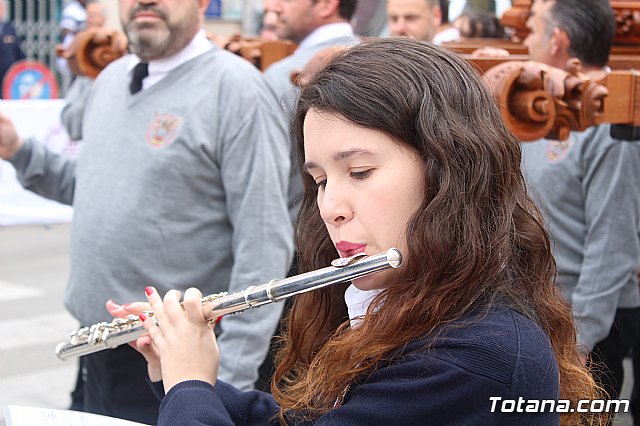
[(490, 52), (10, 143)]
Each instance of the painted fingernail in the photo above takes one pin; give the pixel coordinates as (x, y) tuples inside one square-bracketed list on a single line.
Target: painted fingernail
[(218, 320), (148, 290), (142, 317)]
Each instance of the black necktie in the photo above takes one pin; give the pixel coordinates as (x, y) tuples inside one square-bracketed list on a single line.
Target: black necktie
[(140, 71)]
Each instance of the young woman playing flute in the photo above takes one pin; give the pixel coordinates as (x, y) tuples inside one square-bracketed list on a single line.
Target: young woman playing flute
[(400, 145)]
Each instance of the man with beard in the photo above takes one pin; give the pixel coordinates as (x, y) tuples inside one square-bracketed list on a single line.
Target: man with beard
[(181, 181)]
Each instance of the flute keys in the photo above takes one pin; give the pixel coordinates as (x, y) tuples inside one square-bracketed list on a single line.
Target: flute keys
[(212, 297), (79, 336), (346, 261), (97, 333)]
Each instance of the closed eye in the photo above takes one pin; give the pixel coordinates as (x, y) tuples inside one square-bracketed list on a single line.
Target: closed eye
[(361, 174), (322, 183)]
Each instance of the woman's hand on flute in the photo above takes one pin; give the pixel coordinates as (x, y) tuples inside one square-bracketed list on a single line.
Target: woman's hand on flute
[(144, 343), (182, 341)]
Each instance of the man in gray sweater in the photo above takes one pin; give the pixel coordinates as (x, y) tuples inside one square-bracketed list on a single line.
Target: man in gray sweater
[(181, 182), (587, 187)]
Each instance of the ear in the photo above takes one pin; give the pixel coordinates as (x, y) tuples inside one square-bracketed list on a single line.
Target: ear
[(203, 5), (437, 16), (328, 8), (559, 43)]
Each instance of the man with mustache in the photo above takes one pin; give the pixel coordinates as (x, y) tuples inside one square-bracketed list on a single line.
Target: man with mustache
[(181, 181)]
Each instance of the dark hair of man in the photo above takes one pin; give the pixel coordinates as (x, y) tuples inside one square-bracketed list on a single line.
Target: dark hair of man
[(476, 241), (346, 8), (444, 7), (590, 26)]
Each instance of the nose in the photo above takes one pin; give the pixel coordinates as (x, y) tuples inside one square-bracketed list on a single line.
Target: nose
[(276, 6), (399, 27), (335, 207)]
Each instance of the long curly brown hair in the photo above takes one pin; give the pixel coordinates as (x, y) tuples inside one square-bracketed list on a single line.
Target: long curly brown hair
[(476, 241)]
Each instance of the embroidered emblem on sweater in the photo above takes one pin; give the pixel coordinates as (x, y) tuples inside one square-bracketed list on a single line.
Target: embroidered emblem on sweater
[(558, 150), (162, 131)]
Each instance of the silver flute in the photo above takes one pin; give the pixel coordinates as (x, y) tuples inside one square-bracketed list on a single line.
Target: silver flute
[(105, 335)]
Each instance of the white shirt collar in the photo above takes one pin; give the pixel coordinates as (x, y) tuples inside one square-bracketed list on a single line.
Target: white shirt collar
[(326, 33), (159, 68), (358, 302)]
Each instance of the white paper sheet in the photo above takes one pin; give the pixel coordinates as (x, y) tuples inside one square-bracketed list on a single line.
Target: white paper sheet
[(18, 415)]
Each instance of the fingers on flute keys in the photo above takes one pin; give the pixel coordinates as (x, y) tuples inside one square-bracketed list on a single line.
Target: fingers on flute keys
[(193, 306), (172, 310), (158, 311)]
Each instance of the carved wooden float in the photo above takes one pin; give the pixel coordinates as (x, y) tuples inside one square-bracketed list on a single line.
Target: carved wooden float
[(93, 49), (535, 100), (538, 101)]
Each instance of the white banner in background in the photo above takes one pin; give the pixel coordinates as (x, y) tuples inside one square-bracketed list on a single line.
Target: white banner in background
[(39, 119)]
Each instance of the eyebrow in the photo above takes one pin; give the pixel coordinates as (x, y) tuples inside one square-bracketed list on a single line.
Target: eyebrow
[(339, 156)]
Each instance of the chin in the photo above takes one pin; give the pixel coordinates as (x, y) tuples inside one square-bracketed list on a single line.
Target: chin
[(371, 282)]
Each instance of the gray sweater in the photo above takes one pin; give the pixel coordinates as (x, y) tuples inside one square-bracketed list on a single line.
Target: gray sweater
[(589, 191), (183, 184)]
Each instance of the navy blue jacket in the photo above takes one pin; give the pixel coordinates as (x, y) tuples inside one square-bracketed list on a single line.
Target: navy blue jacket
[(10, 51), (502, 355)]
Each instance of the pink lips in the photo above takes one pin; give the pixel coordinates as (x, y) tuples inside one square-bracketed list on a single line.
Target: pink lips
[(347, 249), (147, 16)]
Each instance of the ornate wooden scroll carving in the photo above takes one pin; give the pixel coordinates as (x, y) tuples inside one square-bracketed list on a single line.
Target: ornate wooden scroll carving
[(627, 22), (535, 100), (538, 101), (515, 19), (259, 52), (616, 62), (526, 108), (94, 49)]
